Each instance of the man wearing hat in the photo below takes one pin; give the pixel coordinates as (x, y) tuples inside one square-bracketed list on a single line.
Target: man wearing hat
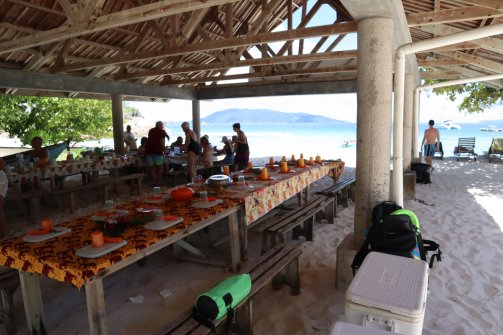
[(228, 151)]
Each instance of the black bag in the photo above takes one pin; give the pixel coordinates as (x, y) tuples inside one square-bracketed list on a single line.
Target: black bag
[(422, 173), (396, 231)]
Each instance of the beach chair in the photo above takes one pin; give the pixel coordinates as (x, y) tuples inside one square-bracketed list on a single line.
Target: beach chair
[(439, 152), (466, 147), (496, 149)]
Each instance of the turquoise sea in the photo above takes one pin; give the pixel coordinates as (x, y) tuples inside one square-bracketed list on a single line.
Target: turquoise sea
[(325, 139)]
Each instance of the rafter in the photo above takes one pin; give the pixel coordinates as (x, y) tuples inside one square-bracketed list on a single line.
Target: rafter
[(475, 61), (452, 15), (465, 72), (243, 41), (29, 4), (70, 10), (440, 62), (264, 75), (242, 63), (144, 13), (436, 75), (490, 43), (493, 4)]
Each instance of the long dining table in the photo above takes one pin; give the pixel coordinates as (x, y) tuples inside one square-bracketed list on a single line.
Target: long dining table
[(56, 258)]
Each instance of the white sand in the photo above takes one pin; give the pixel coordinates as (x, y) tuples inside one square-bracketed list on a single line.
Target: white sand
[(461, 210)]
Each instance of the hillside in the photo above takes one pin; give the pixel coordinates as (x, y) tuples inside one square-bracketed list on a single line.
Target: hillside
[(264, 115)]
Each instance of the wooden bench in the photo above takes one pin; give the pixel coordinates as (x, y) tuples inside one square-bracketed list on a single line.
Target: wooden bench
[(31, 197), (340, 192), (135, 180), (9, 281), (100, 185), (299, 220), (279, 265)]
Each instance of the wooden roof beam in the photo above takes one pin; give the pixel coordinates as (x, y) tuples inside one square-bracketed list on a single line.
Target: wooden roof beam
[(452, 15), (242, 41), (30, 4), (475, 61), (436, 75), (241, 63), (294, 72), (144, 13), (493, 4), (440, 62)]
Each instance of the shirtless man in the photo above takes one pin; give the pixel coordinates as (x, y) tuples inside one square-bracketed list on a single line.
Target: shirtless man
[(39, 156), (430, 143)]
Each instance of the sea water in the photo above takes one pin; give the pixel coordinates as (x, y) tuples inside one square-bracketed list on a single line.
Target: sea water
[(312, 139)]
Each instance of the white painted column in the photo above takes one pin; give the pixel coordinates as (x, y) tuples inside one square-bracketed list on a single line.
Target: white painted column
[(196, 117), (374, 89), (415, 123), (407, 121), (117, 124)]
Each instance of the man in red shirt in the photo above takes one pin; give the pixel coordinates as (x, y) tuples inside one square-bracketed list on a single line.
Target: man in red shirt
[(154, 152)]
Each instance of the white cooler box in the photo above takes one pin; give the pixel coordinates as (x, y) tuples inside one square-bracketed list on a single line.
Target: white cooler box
[(343, 328), (388, 292)]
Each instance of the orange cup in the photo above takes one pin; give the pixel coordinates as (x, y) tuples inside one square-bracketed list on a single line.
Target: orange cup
[(311, 160), (97, 239), (226, 170), (283, 159), (318, 159), (293, 158), (250, 165), (264, 174), (46, 224), (284, 167), (271, 160), (301, 162)]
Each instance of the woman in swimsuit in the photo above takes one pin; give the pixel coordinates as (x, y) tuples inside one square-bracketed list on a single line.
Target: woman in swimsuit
[(191, 146)]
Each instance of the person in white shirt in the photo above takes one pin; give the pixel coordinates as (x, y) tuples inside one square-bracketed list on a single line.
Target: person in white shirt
[(4, 185), (129, 139)]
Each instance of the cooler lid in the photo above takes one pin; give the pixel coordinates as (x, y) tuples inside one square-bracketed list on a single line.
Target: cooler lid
[(393, 283), (343, 328)]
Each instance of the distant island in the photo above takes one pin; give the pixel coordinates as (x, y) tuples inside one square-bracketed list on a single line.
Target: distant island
[(245, 115)]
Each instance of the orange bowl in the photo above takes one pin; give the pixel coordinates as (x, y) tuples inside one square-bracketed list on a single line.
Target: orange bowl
[(182, 194)]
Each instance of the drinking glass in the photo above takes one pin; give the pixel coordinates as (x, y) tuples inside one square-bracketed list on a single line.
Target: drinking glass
[(197, 179), (158, 215), (157, 190), (203, 195), (109, 205), (241, 181)]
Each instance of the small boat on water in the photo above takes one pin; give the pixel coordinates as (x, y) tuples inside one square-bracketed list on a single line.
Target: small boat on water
[(348, 143), (448, 124), (491, 128), (10, 153)]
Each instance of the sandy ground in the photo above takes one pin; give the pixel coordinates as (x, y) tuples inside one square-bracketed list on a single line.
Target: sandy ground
[(461, 210)]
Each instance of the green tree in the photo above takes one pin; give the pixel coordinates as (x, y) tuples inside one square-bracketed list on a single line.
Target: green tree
[(476, 96), (55, 119), (130, 112)]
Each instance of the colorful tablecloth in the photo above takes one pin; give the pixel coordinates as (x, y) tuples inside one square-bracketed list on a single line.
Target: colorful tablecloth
[(56, 259), (264, 196)]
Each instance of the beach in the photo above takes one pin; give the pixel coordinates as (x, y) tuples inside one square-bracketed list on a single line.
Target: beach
[(460, 209)]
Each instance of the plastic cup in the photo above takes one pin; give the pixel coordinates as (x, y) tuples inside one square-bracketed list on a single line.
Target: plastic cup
[(46, 224), (158, 215), (109, 205), (203, 195), (97, 239), (157, 190), (226, 170)]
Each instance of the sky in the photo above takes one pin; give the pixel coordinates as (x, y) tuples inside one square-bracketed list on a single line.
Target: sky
[(336, 106)]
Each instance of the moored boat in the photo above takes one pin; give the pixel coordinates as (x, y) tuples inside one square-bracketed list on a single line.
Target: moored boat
[(491, 128)]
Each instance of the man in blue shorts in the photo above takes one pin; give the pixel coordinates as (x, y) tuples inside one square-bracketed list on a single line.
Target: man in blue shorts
[(154, 152), (431, 143)]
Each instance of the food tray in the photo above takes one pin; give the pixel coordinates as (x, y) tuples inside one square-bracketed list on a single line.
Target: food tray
[(90, 252), (160, 225), (56, 231), (206, 204)]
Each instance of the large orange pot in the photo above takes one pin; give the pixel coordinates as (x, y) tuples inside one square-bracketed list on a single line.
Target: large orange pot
[(182, 194)]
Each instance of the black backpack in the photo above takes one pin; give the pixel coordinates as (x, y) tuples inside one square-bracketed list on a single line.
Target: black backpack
[(422, 173), (395, 231)]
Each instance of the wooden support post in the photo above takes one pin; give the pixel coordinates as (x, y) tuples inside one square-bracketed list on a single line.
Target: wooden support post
[(95, 297), (292, 276), (234, 240), (33, 306), (243, 234), (244, 318)]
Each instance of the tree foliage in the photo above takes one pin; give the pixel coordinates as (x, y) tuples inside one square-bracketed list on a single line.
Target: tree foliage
[(130, 112), (55, 119), (476, 97)]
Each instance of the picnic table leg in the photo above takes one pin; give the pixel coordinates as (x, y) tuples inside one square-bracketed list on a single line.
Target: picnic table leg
[(32, 299), (243, 235), (244, 318), (234, 240), (95, 297), (306, 194)]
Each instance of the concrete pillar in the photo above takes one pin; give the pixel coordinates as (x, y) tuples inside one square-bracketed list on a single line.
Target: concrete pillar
[(407, 121), (374, 93), (196, 117), (118, 125), (415, 123)]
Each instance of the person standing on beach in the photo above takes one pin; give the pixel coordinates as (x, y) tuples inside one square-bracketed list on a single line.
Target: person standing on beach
[(39, 156), (129, 139), (243, 150), (191, 146), (154, 152), (4, 185), (431, 142)]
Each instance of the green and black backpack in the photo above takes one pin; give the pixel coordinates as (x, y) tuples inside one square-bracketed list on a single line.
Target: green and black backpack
[(396, 231)]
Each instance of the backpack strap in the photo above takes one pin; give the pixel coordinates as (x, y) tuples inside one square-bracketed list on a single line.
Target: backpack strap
[(430, 245), (230, 311), (360, 256)]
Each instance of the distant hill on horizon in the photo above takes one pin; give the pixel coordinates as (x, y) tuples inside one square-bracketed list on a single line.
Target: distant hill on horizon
[(246, 115)]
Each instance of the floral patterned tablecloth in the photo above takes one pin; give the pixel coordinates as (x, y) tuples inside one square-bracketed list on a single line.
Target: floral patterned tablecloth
[(56, 258)]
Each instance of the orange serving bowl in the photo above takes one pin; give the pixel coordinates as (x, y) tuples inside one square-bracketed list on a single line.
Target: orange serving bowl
[(182, 194)]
